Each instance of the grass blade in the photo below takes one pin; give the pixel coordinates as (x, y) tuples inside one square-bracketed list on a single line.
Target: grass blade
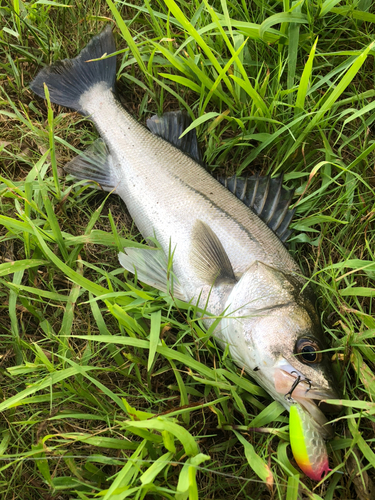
[(305, 80), (260, 468), (154, 337)]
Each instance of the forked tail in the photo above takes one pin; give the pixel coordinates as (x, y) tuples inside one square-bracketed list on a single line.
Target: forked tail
[(68, 79)]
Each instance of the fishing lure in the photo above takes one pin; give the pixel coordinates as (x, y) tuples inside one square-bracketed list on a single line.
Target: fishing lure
[(308, 446)]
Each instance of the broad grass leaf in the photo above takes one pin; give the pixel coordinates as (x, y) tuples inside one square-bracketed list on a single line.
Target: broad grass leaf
[(47, 382), (154, 337), (283, 460), (168, 441), (42, 462), (73, 275), (177, 12), (104, 389), (282, 17), (175, 59), (327, 6), (292, 487), (360, 112), (163, 424), (305, 79), (252, 30), (135, 414), (68, 318), (127, 36), (100, 441), (357, 291), (354, 13), (365, 373), (257, 464), (156, 468), (167, 352), (182, 81), (123, 477), (5, 440), (198, 121), (184, 400), (14, 323), (52, 3), (368, 406), (361, 443), (20, 265), (253, 94), (362, 157), (52, 150), (268, 415), (251, 157), (103, 330), (242, 382), (237, 56), (293, 46), (39, 292), (187, 484)]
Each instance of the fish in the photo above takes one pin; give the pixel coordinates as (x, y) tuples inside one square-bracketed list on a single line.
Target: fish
[(226, 238)]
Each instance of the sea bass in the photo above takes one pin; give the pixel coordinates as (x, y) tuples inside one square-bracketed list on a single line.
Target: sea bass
[(225, 258)]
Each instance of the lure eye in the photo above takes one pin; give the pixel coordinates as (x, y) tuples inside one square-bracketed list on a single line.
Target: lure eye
[(308, 351)]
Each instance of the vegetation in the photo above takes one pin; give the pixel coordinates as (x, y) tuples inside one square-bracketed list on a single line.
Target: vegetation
[(110, 389)]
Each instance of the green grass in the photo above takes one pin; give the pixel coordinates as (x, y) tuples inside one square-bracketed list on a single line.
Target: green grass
[(111, 390)]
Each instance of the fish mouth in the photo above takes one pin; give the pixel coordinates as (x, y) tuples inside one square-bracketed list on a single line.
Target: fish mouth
[(297, 388)]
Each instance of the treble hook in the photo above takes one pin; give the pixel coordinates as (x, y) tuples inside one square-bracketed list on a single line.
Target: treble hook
[(288, 395)]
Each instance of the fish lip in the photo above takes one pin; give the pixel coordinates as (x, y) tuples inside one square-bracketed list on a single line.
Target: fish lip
[(305, 389), (307, 395)]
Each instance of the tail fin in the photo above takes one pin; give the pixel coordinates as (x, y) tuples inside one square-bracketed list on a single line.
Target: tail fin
[(67, 80)]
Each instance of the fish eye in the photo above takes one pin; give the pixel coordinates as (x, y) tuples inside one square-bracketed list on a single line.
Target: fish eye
[(308, 351)]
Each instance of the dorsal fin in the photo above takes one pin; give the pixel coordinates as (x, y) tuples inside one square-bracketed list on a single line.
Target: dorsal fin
[(170, 126), (267, 198)]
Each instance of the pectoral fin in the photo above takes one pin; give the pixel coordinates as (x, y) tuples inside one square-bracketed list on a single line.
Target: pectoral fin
[(151, 266), (208, 257)]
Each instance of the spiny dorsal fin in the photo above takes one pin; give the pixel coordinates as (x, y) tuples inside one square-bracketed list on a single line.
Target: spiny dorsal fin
[(94, 164), (267, 198), (170, 126), (152, 268), (208, 256)]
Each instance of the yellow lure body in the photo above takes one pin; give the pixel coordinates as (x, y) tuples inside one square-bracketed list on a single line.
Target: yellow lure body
[(308, 446)]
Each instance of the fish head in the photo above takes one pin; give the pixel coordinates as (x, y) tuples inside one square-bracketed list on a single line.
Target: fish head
[(275, 335)]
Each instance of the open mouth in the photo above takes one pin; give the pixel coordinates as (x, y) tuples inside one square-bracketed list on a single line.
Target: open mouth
[(296, 388)]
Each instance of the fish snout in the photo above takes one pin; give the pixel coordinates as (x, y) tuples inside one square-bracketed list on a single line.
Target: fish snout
[(295, 387)]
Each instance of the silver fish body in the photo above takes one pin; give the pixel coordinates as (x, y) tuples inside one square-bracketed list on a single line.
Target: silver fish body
[(166, 193), (224, 256)]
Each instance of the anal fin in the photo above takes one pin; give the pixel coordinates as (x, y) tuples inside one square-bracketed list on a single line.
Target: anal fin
[(151, 266)]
